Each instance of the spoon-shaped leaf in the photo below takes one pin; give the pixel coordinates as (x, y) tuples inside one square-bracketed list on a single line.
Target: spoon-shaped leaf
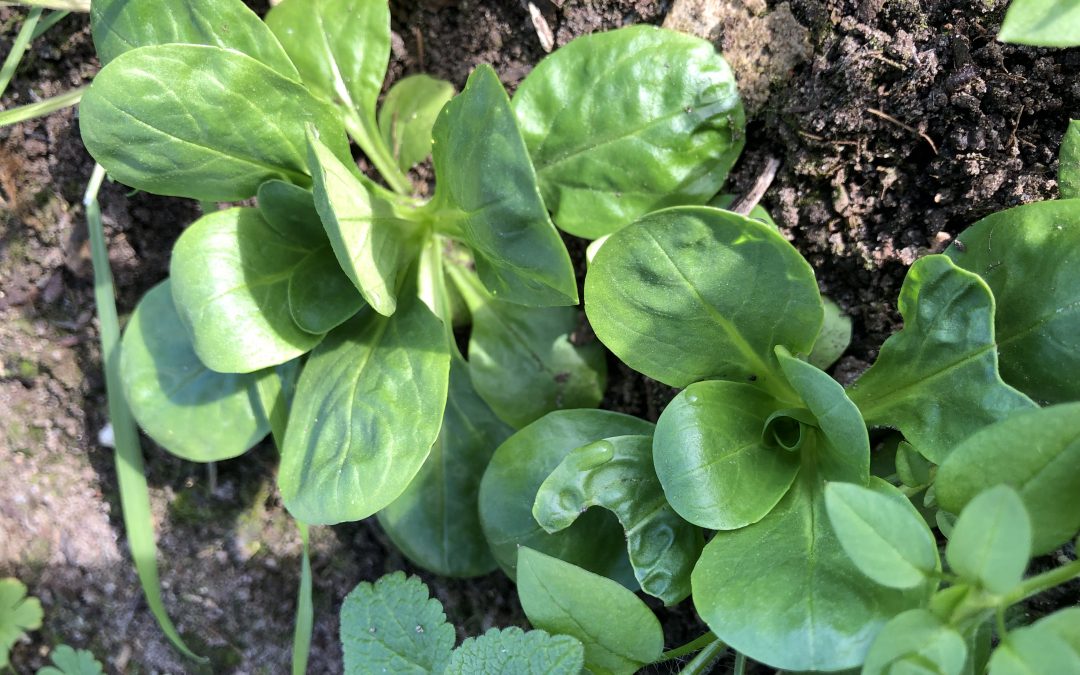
[(408, 114), (991, 541), (920, 639)]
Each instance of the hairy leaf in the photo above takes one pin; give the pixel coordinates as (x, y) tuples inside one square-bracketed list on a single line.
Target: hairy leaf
[(512, 650), (991, 541), (937, 379), (659, 295), (617, 474), (919, 640), (1045, 23), (625, 122), (408, 114)]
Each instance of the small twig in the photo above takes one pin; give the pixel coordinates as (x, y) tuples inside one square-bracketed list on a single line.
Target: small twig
[(889, 118), (1016, 125), (419, 46), (884, 59), (745, 204), (543, 30)]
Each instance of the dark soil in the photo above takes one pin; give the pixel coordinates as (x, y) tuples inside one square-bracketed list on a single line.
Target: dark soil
[(898, 123)]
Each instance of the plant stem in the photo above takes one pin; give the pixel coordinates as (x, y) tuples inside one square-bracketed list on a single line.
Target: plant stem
[(371, 143), (49, 105), (705, 659), (305, 611), (697, 644), (18, 48), (70, 5), (1043, 582), (740, 664)]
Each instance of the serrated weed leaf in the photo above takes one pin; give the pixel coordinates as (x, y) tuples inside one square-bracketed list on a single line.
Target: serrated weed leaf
[(937, 379), (512, 650), (1045, 23), (619, 632), (659, 294), (991, 541), (519, 255), (67, 661), (408, 114), (1029, 256), (18, 614), (394, 626), (201, 122), (885, 539), (917, 639), (1035, 452), (624, 122), (617, 474)]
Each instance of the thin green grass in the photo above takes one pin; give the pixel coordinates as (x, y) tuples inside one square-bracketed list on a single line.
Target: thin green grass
[(18, 48), (48, 106)]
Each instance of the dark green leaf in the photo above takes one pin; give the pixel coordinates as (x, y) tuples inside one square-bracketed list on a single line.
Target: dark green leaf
[(617, 474), (368, 408), (513, 478), (1069, 162), (911, 467), (1030, 257), (1045, 23), (436, 522), (321, 296), (625, 122), (1034, 650), (916, 639), (991, 541), (716, 470), (659, 294), (408, 114), (834, 338), (201, 122), (937, 379), (619, 632), (188, 409), (67, 661), (487, 189), (522, 360), (882, 534), (231, 273), (122, 25), (393, 626), (1036, 453), (512, 650)]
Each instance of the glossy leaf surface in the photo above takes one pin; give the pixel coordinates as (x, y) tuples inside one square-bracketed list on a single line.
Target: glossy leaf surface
[(515, 474), (629, 121), (784, 592), (436, 521), (522, 359), (1046, 23), (885, 540), (920, 641), (487, 189), (710, 457), (512, 650), (661, 295), (201, 122), (122, 25), (937, 379), (991, 541), (394, 626), (620, 634), (1030, 258), (231, 273), (367, 411), (1069, 162), (1036, 453), (191, 411), (407, 115), (373, 241), (617, 474)]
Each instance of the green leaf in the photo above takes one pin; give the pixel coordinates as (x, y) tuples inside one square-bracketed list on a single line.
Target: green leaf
[(617, 474), (436, 522), (624, 122), (321, 296), (884, 536), (1045, 23), (1034, 452), (515, 474), (916, 639), (522, 359), (991, 541), (784, 592), (835, 336), (911, 467), (512, 650), (1027, 256), (408, 114), (201, 122), (122, 25), (487, 189), (188, 409), (67, 661), (18, 614), (937, 379), (231, 272), (725, 201), (1065, 623), (1069, 162), (619, 632), (375, 243), (659, 295), (393, 626), (367, 411), (716, 470), (1032, 651)]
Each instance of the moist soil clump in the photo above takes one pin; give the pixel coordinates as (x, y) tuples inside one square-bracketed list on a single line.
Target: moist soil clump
[(897, 123)]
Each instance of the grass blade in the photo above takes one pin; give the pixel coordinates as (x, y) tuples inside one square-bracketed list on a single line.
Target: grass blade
[(134, 493), (18, 48), (51, 20), (70, 5), (49, 105)]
